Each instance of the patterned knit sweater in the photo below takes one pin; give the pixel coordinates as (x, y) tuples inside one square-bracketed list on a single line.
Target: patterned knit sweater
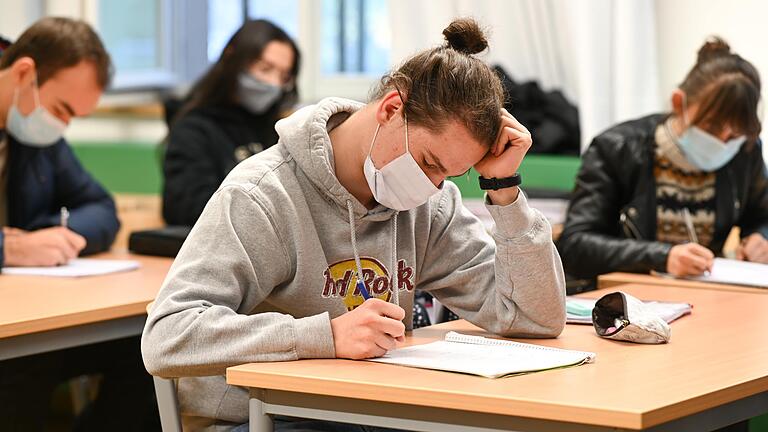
[(679, 186)]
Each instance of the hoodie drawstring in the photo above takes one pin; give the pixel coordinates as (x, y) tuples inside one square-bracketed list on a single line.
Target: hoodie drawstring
[(393, 264), (393, 267)]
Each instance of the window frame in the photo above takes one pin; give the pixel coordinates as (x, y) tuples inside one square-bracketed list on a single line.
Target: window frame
[(183, 49), (314, 84), (163, 76)]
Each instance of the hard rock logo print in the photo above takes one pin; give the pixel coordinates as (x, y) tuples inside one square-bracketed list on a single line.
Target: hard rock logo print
[(341, 280)]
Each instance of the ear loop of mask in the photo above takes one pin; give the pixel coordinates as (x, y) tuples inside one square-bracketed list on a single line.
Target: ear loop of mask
[(35, 93), (405, 120), (686, 125), (405, 116), (376, 133)]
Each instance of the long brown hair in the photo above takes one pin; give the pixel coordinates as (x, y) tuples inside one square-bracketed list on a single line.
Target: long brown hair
[(218, 87), (448, 83), (726, 87), (56, 43)]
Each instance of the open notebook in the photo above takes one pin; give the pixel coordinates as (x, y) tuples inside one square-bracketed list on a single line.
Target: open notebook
[(477, 355)]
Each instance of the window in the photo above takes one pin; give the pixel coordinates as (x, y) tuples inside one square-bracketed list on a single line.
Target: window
[(355, 37), (284, 13), (130, 29), (345, 44), (224, 18), (134, 33), (353, 43)]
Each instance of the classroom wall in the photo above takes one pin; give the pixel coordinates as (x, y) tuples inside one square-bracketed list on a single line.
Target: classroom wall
[(683, 25)]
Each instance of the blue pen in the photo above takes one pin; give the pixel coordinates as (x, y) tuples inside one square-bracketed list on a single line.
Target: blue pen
[(363, 290)]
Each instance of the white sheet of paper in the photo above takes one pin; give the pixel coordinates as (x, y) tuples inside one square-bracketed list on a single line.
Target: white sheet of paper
[(76, 268), (736, 272)]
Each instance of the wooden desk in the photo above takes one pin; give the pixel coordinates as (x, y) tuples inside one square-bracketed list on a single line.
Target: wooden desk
[(713, 372), (40, 314), (612, 280)]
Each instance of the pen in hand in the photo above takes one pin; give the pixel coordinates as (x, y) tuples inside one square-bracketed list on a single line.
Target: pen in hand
[(64, 217), (692, 232), (363, 290), (689, 226)]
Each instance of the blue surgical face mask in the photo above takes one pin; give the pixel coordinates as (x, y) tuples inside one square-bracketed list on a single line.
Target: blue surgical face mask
[(39, 128), (255, 95), (704, 150)]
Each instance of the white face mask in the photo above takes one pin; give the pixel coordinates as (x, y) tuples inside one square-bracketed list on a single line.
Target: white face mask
[(400, 184), (39, 128), (705, 150)]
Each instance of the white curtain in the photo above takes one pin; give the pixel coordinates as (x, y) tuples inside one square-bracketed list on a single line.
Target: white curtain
[(15, 17), (600, 53)]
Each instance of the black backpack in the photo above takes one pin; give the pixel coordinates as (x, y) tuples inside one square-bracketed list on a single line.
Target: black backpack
[(552, 120)]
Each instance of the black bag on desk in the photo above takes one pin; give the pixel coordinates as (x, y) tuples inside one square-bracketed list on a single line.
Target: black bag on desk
[(162, 241)]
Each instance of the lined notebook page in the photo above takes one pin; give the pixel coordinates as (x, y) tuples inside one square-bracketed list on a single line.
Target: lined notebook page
[(487, 357)]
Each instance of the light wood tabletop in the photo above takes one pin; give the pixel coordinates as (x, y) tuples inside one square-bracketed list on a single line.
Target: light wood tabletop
[(717, 355), (611, 280), (34, 304)]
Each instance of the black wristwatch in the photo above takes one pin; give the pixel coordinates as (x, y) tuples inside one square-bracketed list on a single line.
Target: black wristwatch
[(500, 183)]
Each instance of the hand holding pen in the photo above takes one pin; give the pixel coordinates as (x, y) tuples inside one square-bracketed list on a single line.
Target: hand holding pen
[(369, 330), (45, 247), (689, 259)]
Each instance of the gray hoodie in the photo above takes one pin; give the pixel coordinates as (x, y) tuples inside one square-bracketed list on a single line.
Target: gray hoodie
[(270, 262)]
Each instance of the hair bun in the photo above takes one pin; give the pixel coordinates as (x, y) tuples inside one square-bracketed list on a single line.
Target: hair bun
[(465, 36), (713, 48)]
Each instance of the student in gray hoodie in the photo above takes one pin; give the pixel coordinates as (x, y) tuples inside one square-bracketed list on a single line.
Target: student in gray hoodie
[(354, 192)]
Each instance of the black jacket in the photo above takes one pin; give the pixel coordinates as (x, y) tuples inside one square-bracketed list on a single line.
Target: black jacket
[(42, 180), (611, 222), (203, 147)]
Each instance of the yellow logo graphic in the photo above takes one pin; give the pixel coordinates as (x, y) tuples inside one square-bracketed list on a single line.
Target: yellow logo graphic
[(341, 280)]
